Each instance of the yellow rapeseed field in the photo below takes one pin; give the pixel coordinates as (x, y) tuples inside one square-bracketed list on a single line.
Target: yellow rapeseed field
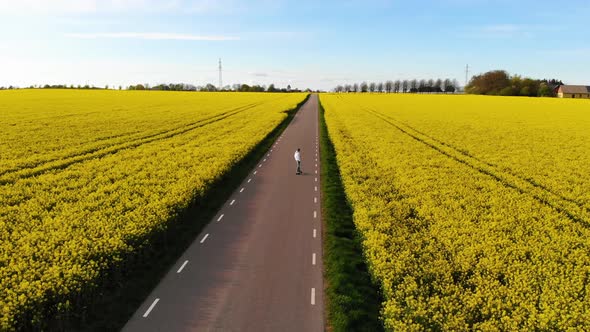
[(474, 211), (86, 175)]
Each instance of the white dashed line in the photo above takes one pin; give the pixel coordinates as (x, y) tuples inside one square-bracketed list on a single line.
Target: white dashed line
[(315, 199), (313, 259), (232, 202), (220, 217), (313, 296), (315, 214), (264, 160), (315, 188), (259, 165), (316, 179), (241, 189), (255, 172), (249, 180), (205, 237), (151, 307), (314, 233), (316, 171), (182, 267), (316, 165)]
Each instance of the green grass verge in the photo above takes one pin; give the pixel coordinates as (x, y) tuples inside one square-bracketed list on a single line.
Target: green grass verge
[(120, 292), (353, 301)]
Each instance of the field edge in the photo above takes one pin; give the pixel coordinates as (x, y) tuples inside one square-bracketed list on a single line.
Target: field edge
[(353, 301)]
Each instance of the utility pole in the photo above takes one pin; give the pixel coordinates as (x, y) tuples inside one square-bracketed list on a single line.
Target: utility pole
[(220, 83), (466, 74)]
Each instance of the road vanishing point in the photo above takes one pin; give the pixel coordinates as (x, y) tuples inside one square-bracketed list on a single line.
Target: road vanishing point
[(257, 266)]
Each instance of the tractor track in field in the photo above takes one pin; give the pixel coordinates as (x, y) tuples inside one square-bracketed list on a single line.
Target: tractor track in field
[(14, 174), (572, 209)]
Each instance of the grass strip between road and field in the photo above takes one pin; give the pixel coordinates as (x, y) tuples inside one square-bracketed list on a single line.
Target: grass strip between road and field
[(110, 306), (353, 301)]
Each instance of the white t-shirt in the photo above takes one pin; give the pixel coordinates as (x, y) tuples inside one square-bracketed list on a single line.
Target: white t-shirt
[(297, 156)]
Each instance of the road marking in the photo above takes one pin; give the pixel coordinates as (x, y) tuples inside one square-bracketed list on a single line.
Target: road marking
[(264, 160), (268, 154), (316, 179), (255, 172), (182, 267), (260, 165), (241, 189), (220, 217), (314, 233), (315, 188), (151, 307), (313, 296), (249, 180), (315, 214), (205, 237), (316, 159), (315, 199), (316, 171), (313, 259), (316, 165), (232, 202)]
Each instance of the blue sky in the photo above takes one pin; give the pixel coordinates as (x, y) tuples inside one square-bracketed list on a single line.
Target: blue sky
[(316, 44)]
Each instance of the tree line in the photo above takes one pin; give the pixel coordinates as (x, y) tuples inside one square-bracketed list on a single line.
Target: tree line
[(402, 86), (500, 83), (173, 87)]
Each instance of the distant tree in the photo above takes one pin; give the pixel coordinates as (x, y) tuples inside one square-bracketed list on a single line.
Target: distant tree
[(271, 88), (106, 87), (355, 87), (347, 88), (405, 86), (545, 90), (339, 89), (364, 87), (490, 83), (140, 87), (288, 88), (380, 87), (397, 86), (388, 86), (414, 84), (438, 85), (372, 87)]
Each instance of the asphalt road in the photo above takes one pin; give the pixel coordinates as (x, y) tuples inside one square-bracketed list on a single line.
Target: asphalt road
[(257, 266)]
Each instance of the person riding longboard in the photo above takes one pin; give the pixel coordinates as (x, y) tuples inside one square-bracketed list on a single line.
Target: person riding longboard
[(297, 157)]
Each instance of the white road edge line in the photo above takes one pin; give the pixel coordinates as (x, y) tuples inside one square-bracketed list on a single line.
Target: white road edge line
[(182, 267), (151, 307), (205, 237), (313, 259), (314, 233), (232, 202), (220, 217), (313, 296)]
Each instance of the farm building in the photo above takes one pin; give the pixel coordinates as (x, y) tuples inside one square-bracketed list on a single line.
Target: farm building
[(573, 91)]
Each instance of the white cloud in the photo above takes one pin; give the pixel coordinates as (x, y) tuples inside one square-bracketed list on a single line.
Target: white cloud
[(150, 36)]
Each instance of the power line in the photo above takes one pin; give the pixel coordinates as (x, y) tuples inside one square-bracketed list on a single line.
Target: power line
[(220, 82)]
